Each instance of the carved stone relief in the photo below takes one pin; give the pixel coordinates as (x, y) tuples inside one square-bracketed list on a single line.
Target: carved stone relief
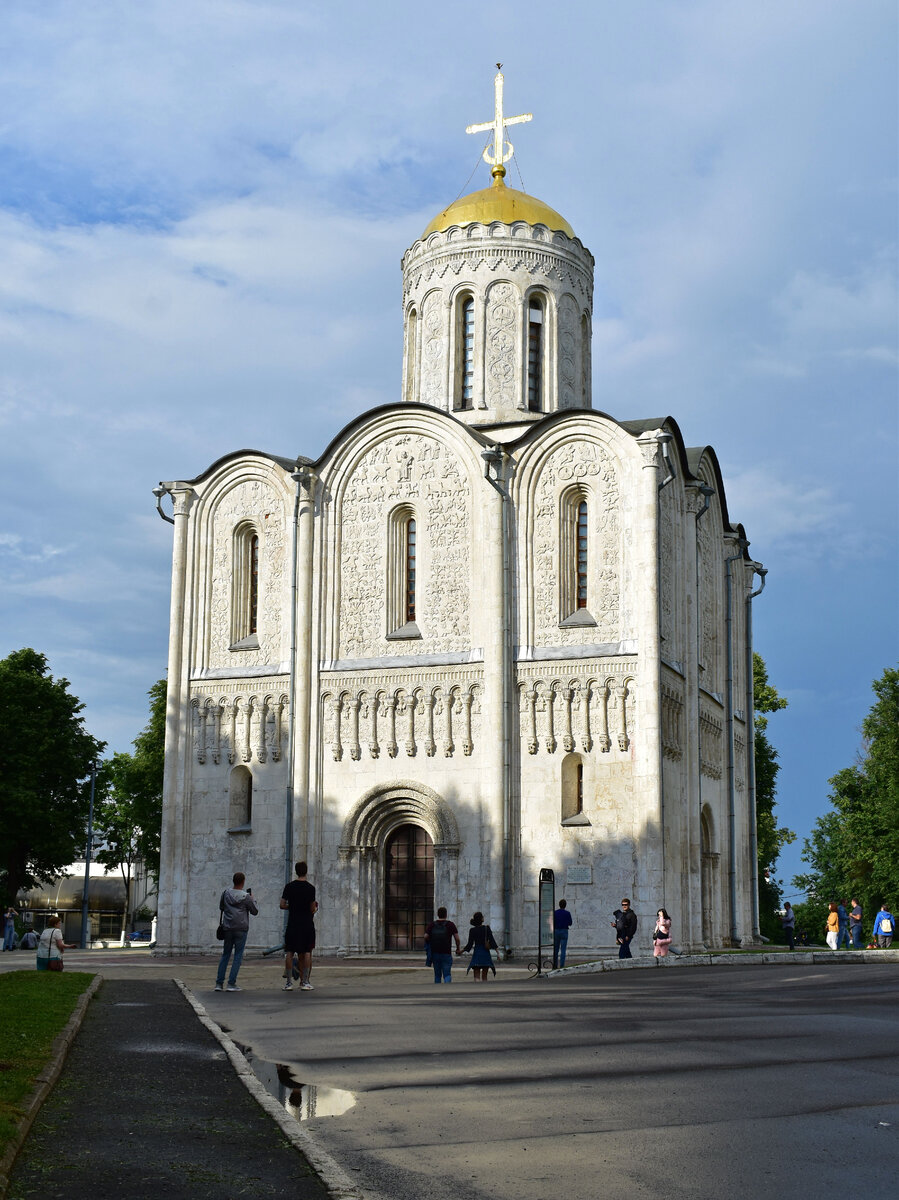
[(252, 501), (672, 712), (432, 714), (569, 355), (576, 710), (589, 463), (433, 351), (503, 303), (711, 735), (421, 471), (236, 727)]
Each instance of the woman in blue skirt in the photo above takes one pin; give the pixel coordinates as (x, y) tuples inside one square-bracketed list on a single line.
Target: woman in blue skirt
[(480, 941)]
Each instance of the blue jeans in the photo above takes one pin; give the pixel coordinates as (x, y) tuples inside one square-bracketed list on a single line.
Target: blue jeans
[(560, 946), (624, 950), (857, 943), (442, 964), (844, 936), (9, 937), (235, 940)]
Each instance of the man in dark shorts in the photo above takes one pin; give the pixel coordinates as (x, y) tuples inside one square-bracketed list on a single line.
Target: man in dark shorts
[(439, 935), (298, 898)]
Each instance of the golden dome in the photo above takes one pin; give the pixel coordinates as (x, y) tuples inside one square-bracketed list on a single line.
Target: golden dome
[(498, 203)]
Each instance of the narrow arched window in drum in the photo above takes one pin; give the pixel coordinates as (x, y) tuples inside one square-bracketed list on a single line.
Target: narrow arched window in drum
[(410, 570), (535, 354), (581, 556)]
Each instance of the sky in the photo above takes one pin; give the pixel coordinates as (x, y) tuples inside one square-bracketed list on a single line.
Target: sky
[(202, 213)]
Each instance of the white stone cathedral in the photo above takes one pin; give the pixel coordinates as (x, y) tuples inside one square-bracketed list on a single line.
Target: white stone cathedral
[(488, 631)]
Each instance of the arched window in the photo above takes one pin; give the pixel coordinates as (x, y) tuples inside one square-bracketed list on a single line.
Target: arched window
[(245, 589), (410, 570), (581, 561), (535, 354), (240, 800), (572, 808), (402, 573), (465, 335), (576, 567)]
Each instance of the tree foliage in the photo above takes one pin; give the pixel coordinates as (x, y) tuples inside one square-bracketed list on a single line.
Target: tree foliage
[(853, 849), (46, 754), (771, 836), (129, 818)]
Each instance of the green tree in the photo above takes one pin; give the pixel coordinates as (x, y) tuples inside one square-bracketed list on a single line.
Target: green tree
[(771, 836), (46, 754), (129, 818), (853, 849)]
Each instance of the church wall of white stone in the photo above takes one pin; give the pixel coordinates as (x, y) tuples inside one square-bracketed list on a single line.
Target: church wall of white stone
[(473, 720)]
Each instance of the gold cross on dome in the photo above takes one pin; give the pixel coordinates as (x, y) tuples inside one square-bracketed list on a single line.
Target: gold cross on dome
[(502, 150)]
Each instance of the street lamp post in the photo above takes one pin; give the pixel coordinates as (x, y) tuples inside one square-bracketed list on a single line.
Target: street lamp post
[(87, 859)]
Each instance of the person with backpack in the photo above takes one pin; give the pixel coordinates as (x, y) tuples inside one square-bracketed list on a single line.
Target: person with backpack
[(439, 935), (883, 928)]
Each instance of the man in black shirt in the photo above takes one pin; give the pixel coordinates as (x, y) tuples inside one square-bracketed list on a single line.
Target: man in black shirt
[(625, 925), (298, 898), (439, 936)]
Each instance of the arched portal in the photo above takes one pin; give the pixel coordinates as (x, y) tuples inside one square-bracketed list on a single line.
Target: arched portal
[(709, 879), (408, 887), (399, 856)]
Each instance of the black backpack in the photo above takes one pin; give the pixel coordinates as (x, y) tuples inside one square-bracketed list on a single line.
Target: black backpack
[(440, 938)]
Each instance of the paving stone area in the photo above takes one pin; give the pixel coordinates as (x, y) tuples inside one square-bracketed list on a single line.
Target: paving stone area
[(148, 1105)]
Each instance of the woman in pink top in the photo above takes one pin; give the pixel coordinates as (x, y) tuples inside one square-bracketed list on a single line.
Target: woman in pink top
[(661, 938)]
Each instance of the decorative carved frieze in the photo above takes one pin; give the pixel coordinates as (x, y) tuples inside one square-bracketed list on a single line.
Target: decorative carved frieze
[(436, 712), (590, 708), (233, 727), (672, 711), (711, 735)]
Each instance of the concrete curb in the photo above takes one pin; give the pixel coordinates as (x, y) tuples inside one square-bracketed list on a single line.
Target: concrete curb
[(45, 1081), (799, 958), (332, 1175)]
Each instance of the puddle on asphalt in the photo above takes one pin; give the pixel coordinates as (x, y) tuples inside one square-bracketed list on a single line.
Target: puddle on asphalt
[(304, 1101)]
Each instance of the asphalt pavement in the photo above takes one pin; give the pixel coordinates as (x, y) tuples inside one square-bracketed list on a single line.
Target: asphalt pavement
[(745, 1081)]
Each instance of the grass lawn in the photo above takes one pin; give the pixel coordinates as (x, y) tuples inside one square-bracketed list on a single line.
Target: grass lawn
[(34, 1009)]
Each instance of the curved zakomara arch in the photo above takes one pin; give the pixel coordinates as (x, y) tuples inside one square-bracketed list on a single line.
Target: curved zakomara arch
[(592, 427), (211, 490), (384, 808), (337, 464)]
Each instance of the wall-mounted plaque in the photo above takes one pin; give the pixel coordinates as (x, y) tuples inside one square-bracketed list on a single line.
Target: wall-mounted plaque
[(579, 875)]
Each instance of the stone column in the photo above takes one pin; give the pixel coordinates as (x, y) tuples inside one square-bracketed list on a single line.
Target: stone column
[(691, 917), (495, 791), (650, 818), (171, 928)]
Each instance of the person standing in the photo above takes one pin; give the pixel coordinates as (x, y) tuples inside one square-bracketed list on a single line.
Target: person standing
[(439, 935), (298, 898), (661, 937), (9, 929), (481, 941), (236, 905), (625, 926), (788, 921), (855, 925), (833, 925), (562, 922), (883, 928), (843, 932)]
